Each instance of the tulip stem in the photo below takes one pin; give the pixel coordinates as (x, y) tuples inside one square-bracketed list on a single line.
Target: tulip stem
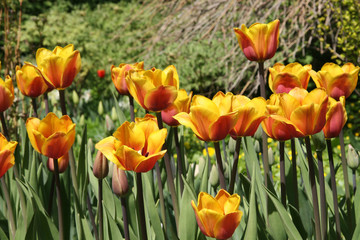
[(125, 218), (92, 219), (235, 165), (33, 102), (58, 193), (220, 165), (333, 188), (132, 112), (161, 194), (354, 180), (51, 195), (46, 100), (313, 188), (62, 101), (10, 210), (323, 206), (140, 205), (282, 173), (180, 160), (170, 179), (100, 209), (294, 171)]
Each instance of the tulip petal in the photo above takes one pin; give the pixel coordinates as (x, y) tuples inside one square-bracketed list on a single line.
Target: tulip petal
[(210, 219), (200, 222), (130, 135), (7, 160), (58, 144), (156, 141), (31, 125), (107, 147), (148, 163), (53, 68), (206, 201), (226, 226), (222, 126), (72, 67), (185, 119), (160, 98)]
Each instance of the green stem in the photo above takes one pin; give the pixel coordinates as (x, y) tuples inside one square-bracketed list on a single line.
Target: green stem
[(140, 204), (51, 195), (313, 188), (92, 218), (132, 112), (354, 180), (33, 102), (282, 173), (161, 194), (58, 193), (170, 179), (323, 206), (10, 210), (294, 170), (180, 160), (235, 165), (333, 188), (125, 218), (100, 209), (220, 165)]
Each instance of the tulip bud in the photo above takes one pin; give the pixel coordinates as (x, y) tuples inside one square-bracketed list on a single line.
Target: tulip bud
[(271, 156), (352, 158), (257, 146), (90, 144), (82, 120), (109, 124), (101, 73), (214, 176), (201, 166), (101, 166), (258, 133), (78, 138), (120, 183), (319, 141), (114, 116), (232, 144), (63, 163), (100, 108), (75, 97)]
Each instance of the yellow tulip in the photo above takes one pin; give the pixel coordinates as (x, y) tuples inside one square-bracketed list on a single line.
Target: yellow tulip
[(6, 93), (7, 159), (118, 75), (30, 81), (51, 136), (218, 217), (135, 146), (336, 117), (181, 104), (260, 41)]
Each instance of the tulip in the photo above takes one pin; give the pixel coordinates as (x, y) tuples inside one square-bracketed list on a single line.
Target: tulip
[(101, 166), (181, 104), (336, 117), (338, 81), (155, 90), (51, 136), (7, 159), (63, 163), (135, 146), (120, 185), (6, 93), (210, 120), (30, 81), (60, 66), (101, 73), (284, 78), (118, 75), (218, 217), (260, 41), (251, 114)]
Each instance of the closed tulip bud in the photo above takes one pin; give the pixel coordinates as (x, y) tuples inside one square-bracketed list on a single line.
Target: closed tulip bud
[(75, 97), (258, 133), (352, 158), (201, 165), (271, 156), (63, 163), (214, 176), (100, 108), (90, 144), (82, 120), (319, 141), (101, 166), (109, 124), (257, 146), (120, 183), (78, 138), (114, 116)]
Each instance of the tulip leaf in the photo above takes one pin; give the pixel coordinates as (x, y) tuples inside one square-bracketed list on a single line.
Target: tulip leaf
[(357, 207), (187, 220), (108, 198), (119, 113), (114, 232), (356, 234), (251, 229), (82, 172), (205, 176)]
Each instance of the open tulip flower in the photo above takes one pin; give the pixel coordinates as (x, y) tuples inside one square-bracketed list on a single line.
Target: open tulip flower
[(118, 75), (284, 78), (336, 117), (6, 93), (210, 120), (260, 41), (7, 159), (338, 81), (218, 217), (135, 146), (154, 90), (251, 113), (63, 163), (30, 81), (60, 66), (51, 136), (181, 104)]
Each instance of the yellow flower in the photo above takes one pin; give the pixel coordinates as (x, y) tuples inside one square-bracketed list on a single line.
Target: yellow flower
[(211, 151), (181, 104), (7, 159), (30, 81), (6, 93), (118, 75), (336, 117)]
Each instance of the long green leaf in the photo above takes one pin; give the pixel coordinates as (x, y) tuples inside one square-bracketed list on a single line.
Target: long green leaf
[(187, 220), (251, 229)]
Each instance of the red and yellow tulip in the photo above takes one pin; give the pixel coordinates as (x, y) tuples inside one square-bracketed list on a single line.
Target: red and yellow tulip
[(6, 93), (338, 81), (118, 75), (284, 78), (336, 117), (135, 146), (51, 136), (155, 90), (30, 81), (7, 159), (260, 41), (218, 217)]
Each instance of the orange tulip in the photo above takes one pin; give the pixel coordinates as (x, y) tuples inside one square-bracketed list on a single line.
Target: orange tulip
[(210, 120), (118, 75), (181, 104), (338, 81), (30, 81), (60, 66), (63, 163), (284, 78), (251, 113), (155, 90), (336, 117), (6, 93), (260, 41), (218, 217), (135, 146), (7, 159), (51, 136)]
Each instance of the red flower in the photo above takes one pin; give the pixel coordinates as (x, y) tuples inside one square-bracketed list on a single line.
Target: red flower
[(101, 73)]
